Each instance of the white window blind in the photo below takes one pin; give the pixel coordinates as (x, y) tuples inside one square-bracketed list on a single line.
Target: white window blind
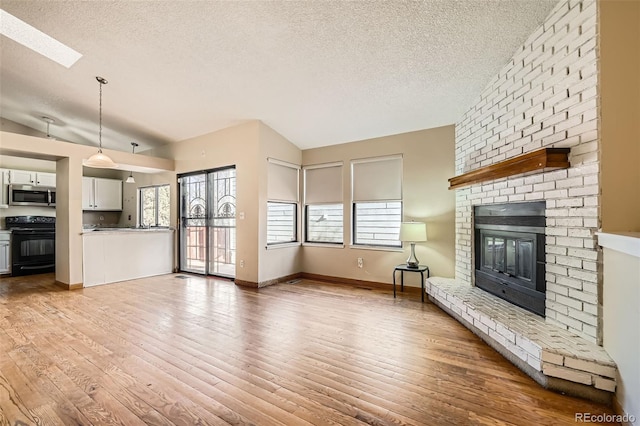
[(377, 179), (282, 181), (323, 184)]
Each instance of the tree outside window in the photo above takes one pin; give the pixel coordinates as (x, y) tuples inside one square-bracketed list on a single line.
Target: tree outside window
[(155, 207)]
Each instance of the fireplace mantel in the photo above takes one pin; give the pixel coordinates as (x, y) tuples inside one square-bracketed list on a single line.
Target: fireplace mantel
[(542, 159)]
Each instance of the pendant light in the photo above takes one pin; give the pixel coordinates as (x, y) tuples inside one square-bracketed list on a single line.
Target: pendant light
[(49, 121), (100, 160), (130, 179)]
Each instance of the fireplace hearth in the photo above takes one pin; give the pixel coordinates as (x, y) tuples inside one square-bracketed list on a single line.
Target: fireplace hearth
[(510, 254)]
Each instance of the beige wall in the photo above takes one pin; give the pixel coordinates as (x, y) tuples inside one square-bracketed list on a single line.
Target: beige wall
[(428, 161), (68, 159), (130, 194), (620, 185), (247, 146), (620, 114), (20, 163), (281, 261), (237, 146), (69, 220), (622, 324)]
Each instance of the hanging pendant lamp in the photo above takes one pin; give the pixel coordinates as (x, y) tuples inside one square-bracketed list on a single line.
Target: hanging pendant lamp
[(130, 179), (100, 160)]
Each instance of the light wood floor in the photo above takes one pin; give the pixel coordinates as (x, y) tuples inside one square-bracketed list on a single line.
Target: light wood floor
[(191, 351)]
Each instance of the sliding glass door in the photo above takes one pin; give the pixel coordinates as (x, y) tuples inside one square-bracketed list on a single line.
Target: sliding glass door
[(208, 222), (222, 225)]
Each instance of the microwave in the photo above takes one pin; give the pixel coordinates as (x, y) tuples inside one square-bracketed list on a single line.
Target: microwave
[(29, 195)]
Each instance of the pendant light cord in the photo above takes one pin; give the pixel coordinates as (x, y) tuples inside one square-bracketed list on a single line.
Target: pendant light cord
[(100, 131), (102, 82)]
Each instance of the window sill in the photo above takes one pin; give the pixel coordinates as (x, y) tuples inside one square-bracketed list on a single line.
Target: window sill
[(377, 248), (282, 245), (326, 245)]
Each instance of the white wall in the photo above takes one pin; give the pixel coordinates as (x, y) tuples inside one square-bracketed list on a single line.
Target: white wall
[(621, 316)]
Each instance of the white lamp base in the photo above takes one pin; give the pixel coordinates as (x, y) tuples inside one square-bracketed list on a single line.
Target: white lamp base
[(412, 261)]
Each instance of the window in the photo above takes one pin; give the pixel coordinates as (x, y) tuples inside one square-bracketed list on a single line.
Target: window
[(282, 202), (281, 223), (377, 201), (154, 205), (324, 223), (377, 224), (324, 209)]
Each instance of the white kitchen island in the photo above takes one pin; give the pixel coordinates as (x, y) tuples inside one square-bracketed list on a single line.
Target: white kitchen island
[(125, 254)]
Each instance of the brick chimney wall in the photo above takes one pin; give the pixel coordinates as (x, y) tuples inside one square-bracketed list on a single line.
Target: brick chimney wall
[(545, 96)]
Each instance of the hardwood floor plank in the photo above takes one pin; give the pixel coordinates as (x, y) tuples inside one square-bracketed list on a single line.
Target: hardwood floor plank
[(166, 351), (65, 408), (13, 408), (100, 385)]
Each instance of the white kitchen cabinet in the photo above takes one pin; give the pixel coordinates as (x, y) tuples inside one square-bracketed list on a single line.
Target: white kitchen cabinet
[(101, 194), (5, 252), (4, 188), (21, 177), (87, 193), (46, 179), (26, 177)]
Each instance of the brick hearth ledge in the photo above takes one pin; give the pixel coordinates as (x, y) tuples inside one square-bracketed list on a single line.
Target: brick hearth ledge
[(555, 358)]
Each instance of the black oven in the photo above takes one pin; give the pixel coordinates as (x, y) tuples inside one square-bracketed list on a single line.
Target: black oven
[(33, 244)]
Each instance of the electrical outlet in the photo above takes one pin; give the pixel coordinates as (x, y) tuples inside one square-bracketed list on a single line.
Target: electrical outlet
[(242, 263), (360, 262)]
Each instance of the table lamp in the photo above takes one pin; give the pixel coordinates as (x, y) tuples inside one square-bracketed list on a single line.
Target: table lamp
[(413, 232)]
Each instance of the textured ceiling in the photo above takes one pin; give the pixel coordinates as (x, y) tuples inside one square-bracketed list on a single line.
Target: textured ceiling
[(318, 72)]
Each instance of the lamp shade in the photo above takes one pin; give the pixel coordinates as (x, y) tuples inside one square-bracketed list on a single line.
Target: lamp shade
[(413, 231), (101, 161)]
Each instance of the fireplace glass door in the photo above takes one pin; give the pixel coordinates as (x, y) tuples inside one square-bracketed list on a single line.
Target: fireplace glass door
[(509, 249), (509, 255)]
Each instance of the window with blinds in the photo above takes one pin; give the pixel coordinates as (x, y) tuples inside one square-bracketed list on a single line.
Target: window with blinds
[(323, 203), (376, 191), (282, 202)]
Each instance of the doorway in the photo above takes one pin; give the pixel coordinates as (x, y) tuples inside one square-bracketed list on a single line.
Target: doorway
[(208, 222)]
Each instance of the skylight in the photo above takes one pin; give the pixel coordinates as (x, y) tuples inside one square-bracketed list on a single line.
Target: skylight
[(36, 40)]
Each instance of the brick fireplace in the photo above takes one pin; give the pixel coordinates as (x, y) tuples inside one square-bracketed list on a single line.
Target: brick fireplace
[(546, 96)]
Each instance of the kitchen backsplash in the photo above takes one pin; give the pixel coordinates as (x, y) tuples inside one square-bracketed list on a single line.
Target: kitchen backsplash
[(101, 218)]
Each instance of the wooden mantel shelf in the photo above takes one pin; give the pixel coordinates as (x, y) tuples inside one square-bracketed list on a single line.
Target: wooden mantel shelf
[(546, 158)]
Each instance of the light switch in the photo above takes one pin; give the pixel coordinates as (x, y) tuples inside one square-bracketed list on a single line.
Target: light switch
[(241, 215)]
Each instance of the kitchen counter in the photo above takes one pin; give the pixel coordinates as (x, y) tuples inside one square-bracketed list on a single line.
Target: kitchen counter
[(120, 254), (103, 230)]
